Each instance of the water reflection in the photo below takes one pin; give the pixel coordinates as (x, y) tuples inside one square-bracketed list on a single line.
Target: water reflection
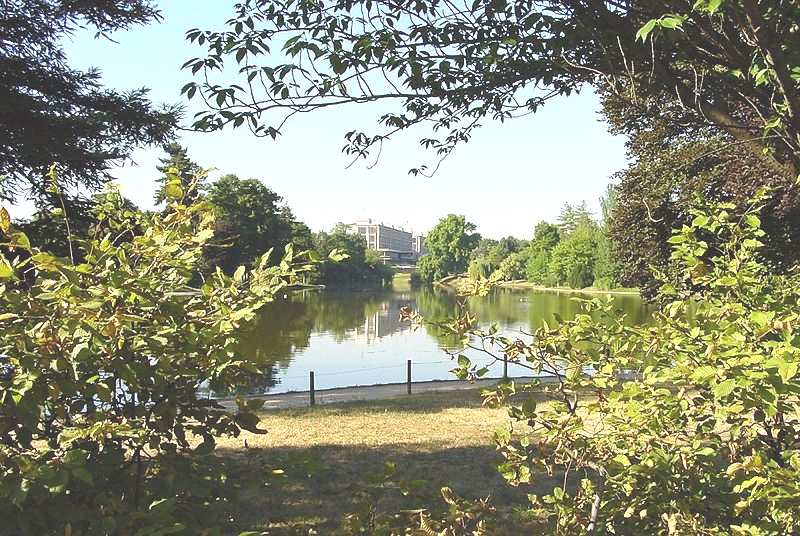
[(356, 338)]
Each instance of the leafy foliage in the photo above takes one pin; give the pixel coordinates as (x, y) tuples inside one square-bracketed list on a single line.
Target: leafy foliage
[(178, 170), (449, 246), (251, 220), (686, 426), (103, 428), (490, 254), (359, 266), (53, 112), (453, 65), (670, 166)]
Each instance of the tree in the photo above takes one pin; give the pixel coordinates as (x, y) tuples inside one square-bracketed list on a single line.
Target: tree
[(545, 237), (177, 165), (449, 246), (250, 221), (670, 166), (573, 259), (572, 218), (104, 428), (453, 65), (512, 267), (489, 254), (53, 113), (607, 266), (360, 267)]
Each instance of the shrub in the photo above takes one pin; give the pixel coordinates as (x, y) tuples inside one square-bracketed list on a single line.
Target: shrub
[(689, 425), (103, 427), (512, 267)]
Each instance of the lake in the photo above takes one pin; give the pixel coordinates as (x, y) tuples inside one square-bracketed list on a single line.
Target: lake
[(357, 338)]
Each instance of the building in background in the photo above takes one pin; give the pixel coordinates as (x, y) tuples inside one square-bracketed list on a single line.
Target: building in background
[(418, 244), (395, 246)]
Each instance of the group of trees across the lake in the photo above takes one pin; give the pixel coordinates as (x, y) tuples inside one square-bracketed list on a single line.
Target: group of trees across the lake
[(250, 220), (114, 325), (576, 251)]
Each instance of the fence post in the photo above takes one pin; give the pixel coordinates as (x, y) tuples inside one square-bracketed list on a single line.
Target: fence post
[(311, 387), (505, 367), (408, 376)]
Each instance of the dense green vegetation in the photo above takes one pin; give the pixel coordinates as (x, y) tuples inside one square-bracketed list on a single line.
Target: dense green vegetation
[(102, 359), (362, 267), (575, 252), (713, 412), (449, 244)]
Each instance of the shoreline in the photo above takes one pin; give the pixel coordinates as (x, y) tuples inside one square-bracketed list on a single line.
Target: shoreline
[(588, 290), (375, 392), (456, 282)]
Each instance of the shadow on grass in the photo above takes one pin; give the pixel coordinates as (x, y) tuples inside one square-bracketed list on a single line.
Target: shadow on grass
[(293, 490)]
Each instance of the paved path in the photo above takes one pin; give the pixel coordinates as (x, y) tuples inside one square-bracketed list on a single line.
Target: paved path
[(300, 399)]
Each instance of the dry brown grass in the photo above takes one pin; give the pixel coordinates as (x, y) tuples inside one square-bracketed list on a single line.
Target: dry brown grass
[(311, 469)]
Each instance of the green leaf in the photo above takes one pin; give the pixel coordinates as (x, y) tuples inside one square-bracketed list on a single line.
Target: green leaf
[(5, 220), (709, 6), (787, 370), (671, 21), (724, 388), (762, 318), (338, 255), (173, 190), (6, 270), (645, 30)]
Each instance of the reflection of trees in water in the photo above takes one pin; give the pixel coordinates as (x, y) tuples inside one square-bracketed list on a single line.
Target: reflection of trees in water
[(285, 326), (341, 313), (531, 309), (438, 306)]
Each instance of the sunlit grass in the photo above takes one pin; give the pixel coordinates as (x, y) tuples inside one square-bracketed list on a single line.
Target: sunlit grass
[(314, 463)]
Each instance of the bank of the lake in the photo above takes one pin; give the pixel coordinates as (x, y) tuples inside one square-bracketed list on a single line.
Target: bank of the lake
[(465, 282)]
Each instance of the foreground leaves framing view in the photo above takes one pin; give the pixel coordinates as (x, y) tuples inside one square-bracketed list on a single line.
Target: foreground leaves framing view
[(686, 426), (103, 426)]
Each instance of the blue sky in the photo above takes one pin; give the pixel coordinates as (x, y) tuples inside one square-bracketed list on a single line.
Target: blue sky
[(505, 180)]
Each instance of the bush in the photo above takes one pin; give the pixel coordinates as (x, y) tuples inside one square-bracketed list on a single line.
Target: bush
[(690, 425), (512, 267), (479, 269), (580, 276), (103, 427)]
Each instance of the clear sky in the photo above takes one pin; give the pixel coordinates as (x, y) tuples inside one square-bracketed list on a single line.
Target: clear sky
[(505, 180)]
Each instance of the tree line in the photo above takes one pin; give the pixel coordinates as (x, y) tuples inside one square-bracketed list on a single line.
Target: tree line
[(250, 220), (574, 252)]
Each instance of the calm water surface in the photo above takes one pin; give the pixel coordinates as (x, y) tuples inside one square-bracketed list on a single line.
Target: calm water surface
[(357, 338)]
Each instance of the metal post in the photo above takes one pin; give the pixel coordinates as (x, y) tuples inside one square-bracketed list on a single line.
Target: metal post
[(408, 376), (505, 367), (311, 387)]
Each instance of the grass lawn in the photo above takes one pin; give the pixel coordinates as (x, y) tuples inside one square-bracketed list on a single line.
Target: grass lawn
[(314, 466)]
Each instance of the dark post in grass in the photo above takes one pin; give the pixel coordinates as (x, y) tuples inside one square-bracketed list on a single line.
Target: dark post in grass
[(505, 367), (311, 387), (408, 376)]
